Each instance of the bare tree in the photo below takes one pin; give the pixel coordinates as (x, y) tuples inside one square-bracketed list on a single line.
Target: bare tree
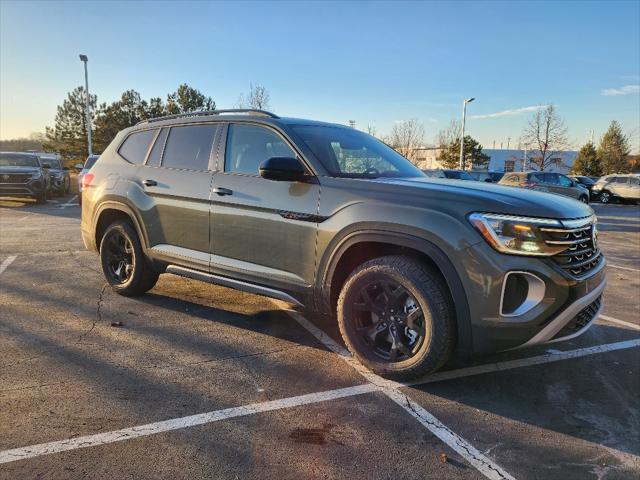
[(257, 98), (546, 132), (448, 135), (406, 136), (371, 130)]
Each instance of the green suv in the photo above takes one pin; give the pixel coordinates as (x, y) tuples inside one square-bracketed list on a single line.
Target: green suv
[(328, 218)]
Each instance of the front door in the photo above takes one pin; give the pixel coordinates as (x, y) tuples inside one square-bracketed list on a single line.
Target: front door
[(263, 231), (177, 183)]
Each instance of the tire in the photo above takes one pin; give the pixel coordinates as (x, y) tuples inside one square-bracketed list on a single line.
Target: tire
[(584, 199), (124, 264), (427, 300), (605, 197), (41, 198)]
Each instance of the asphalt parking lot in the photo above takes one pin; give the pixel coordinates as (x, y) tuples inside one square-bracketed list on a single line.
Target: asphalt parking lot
[(198, 381)]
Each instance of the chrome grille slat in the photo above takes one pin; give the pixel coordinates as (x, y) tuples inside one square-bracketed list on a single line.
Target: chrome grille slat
[(580, 254)]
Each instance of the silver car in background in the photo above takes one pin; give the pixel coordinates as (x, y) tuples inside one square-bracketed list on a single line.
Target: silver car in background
[(83, 170)]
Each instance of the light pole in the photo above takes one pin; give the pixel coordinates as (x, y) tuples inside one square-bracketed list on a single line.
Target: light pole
[(464, 114), (84, 59)]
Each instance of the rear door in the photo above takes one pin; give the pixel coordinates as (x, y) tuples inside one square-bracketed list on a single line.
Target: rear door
[(263, 231), (177, 181), (567, 187)]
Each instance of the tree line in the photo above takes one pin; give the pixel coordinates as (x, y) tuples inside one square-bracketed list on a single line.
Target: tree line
[(610, 156), (68, 135)]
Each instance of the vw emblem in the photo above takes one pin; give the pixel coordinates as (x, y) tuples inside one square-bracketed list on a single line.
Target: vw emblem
[(5, 177)]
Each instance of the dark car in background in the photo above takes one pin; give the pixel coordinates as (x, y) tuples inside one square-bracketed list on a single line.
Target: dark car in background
[(448, 173), (547, 182), (23, 175), (586, 182), (60, 178), (486, 176)]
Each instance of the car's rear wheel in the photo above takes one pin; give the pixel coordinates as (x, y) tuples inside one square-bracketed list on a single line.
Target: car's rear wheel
[(124, 265), (396, 318), (605, 197)]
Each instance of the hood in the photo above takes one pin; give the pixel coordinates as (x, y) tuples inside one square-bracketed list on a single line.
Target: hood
[(492, 198), (18, 169)]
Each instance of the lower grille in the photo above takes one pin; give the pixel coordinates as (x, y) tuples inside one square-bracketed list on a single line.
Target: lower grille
[(581, 320), (581, 253), (15, 177)]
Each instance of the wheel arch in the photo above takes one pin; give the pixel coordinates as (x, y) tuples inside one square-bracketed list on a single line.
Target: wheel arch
[(111, 211), (358, 247)]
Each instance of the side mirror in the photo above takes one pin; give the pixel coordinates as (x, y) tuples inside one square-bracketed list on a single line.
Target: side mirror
[(46, 165), (284, 169)]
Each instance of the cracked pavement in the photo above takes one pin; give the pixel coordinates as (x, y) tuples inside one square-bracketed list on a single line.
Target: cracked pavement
[(188, 348)]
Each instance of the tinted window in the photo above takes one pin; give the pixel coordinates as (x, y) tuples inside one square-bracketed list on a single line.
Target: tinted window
[(156, 151), (551, 178), (249, 145), (634, 181), (564, 181), (537, 177), (18, 160), (189, 147), (135, 147), (90, 162)]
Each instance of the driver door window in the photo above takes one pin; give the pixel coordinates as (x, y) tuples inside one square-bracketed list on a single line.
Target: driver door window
[(249, 145)]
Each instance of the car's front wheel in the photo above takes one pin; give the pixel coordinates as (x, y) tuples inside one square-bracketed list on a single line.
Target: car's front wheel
[(123, 262), (396, 317)]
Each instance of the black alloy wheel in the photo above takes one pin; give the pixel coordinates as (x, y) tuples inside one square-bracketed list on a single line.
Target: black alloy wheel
[(388, 320)]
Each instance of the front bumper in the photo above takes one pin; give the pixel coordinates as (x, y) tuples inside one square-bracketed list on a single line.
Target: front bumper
[(558, 315), (29, 188)]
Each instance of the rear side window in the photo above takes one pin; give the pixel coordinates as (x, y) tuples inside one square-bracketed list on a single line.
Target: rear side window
[(135, 147), (249, 145), (564, 181), (634, 181), (551, 178), (158, 147), (189, 147)]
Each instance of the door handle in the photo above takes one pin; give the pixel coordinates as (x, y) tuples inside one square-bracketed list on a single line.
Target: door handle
[(150, 183), (222, 191)]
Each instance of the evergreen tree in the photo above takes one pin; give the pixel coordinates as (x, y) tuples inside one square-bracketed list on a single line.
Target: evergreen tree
[(587, 162), (123, 113), (473, 155), (614, 150), (69, 135), (187, 99)]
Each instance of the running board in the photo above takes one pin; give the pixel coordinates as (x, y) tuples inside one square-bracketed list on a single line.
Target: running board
[(231, 283)]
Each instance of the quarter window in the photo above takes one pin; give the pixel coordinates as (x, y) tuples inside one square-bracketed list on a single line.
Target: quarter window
[(250, 145), (189, 147), (135, 147), (564, 181), (156, 151)]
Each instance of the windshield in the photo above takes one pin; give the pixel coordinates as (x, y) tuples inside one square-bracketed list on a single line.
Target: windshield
[(8, 160), (349, 153), (53, 162)]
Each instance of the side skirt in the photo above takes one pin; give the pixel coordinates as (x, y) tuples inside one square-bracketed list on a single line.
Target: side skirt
[(231, 283)]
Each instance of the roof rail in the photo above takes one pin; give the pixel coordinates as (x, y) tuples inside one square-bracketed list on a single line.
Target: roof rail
[(201, 113)]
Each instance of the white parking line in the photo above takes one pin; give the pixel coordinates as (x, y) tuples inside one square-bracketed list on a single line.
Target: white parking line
[(32, 451), (529, 361), (6, 263), (620, 322), (623, 268), (69, 203), (481, 462), (389, 387)]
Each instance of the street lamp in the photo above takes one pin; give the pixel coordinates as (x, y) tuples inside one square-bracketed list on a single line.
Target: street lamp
[(464, 114), (84, 59)]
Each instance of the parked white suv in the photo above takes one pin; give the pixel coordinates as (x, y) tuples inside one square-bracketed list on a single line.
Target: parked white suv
[(617, 186)]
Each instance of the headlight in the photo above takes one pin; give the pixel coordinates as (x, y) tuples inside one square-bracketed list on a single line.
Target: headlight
[(516, 235), (36, 175)]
